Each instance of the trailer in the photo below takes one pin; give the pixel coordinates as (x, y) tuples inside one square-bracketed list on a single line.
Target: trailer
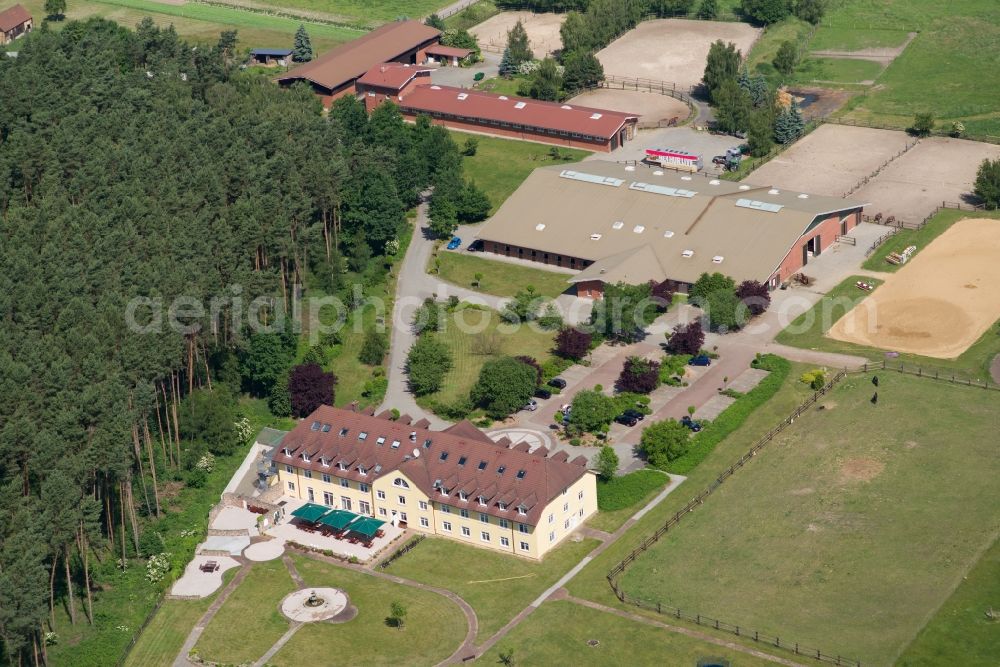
[(673, 159)]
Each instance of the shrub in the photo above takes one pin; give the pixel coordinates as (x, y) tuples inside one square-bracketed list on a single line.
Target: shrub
[(709, 283), (815, 378), (470, 147), (308, 388), (617, 493), (765, 11), (639, 375), (923, 124), (755, 296), (553, 367), (724, 312), (987, 186), (686, 338), (672, 368), (607, 463), (426, 365), (592, 410), (505, 385), (373, 348), (571, 343), (209, 415), (530, 361), (665, 441)]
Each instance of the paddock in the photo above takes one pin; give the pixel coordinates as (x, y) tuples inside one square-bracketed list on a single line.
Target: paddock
[(939, 303), (674, 50), (651, 107), (542, 29)]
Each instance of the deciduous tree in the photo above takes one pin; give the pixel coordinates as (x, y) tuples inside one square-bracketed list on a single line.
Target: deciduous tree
[(308, 388), (754, 295), (428, 361), (607, 463), (686, 338), (639, 375), (664, 441), (571, 343), (592, 411), (987, 186), (505, 385), (723, 64), (518, 48)]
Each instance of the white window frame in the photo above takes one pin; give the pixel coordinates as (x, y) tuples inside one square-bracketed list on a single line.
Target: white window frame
[(525, 546), (446, 526), (466, 532)]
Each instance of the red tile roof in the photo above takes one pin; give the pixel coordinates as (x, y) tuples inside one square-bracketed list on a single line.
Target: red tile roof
[(349, 61), (391, 75), (448, 51), (433, 460), (483, 106), (12, 17)]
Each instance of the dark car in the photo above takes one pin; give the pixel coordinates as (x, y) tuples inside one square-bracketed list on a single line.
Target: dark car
[(700, 360), (454, 243), (690, 423), (542, 392), (719, 159), (558, 383), (630, 417)]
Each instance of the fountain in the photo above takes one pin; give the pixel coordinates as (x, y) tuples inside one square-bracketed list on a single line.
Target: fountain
[(315, 604), (314, 600)]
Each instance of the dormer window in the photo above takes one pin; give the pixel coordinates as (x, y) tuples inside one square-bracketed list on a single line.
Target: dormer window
[(462, 495), (413, 436), (482, 500), (522, 510), (315, 426), (342, 466), (461, 460), (305, 457), (284, 450), (502, 506), (362, 435), (344, 431), (324, 462), (361, 469), (427, 443)]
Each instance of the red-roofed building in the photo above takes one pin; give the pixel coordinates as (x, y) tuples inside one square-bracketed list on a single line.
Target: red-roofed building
[(14, 22), (521, 118), (390, 81), (455, 483), (447, 55)]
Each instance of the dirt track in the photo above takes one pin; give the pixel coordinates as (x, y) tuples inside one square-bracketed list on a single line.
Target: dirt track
[(651, 107), (542, 29), (831, 160), (940, 303), (672, 50)]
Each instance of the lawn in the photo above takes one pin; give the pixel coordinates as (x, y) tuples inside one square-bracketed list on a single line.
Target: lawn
[(558, 632), (837, 70), (498, 586), (961, 633), (249, 622), (501, 85), (828, 38), (809, 329), (501, 165), (623, 496), (499, 278), (476, 336), (203, 23), (434, 625), (163, 638), (918, 237), (853, 510), (472, 15), (364, 12), (766, 47)]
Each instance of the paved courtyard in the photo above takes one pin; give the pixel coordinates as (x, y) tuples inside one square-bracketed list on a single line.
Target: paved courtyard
[(195, 582)]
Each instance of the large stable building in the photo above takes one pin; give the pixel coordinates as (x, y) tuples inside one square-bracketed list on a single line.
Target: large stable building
[(334, 74), (455, 483), (636, 224)]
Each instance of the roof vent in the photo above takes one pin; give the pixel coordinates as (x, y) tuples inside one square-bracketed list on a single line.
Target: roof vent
[(462, 96), (744, 187), (717, 259), (618, 225), (638, 229), (668, 234), (540, 226), (687, 253), (416, 453), (435, 87), (595, 237), (520, 105), (773, 191), (803, 196), (714, 181), (658, 172), (595, 116), (565, 106)]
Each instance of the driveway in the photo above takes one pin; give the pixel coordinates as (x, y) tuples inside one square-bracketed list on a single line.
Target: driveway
[(464, 77)]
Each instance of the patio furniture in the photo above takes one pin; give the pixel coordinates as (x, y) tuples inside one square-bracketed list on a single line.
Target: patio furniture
[(368, 544), (353, 539), (209, 566), (380, 533)]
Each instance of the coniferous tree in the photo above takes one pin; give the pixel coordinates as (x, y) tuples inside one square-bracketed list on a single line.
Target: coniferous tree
[(789, 125), (507, 68), (302, 51), (517, 45)]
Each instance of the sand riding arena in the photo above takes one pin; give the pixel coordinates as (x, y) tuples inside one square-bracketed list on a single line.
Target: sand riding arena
[(542, 29), (940, 303)]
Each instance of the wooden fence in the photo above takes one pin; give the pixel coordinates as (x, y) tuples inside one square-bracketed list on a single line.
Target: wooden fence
[(864, 181), (940, 374), (986, 138), (738, 630), (402, 551), (896, 225)]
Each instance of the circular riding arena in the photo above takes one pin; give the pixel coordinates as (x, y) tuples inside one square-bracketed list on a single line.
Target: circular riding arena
[(940, 303), (652, 108), (542, 29), (830, 160), (674, 50)]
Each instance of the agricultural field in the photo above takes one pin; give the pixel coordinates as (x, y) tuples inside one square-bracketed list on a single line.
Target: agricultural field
[(499, 586), (203, 23), (856, 507)]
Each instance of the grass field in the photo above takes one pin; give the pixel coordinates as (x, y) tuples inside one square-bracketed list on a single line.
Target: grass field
[(809, 329), (961, 633), (249, 622), (523, 340), (918, 237), (497, 586), (365, 12), (828, 38), (837, 70), (160, 642), (853, 510), (501, 165), (203, 23), (499, 278), (472, 15), (434, 625), (557, 634), (623, 496), (766, 48)]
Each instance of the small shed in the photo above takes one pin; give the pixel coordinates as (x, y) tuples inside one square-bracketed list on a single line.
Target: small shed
[(271, 57), (14, 22), (446, 55)]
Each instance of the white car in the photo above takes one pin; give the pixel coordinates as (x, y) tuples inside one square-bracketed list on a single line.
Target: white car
[(531, 406)]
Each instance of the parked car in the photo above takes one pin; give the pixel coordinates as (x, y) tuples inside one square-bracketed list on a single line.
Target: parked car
[(690, 423), (475, 246), (542, 392), (454, 243), (558, 383), (719, 159), (531, 405), (630, 417), (700, 360)]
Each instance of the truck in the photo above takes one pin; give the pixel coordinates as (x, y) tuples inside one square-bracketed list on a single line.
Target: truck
[(673, 159)]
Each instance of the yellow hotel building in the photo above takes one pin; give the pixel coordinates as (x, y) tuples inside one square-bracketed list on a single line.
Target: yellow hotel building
[(456, 483)]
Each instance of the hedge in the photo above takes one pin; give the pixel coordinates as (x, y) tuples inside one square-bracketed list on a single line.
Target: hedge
[(733, 417), (627, 490)]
